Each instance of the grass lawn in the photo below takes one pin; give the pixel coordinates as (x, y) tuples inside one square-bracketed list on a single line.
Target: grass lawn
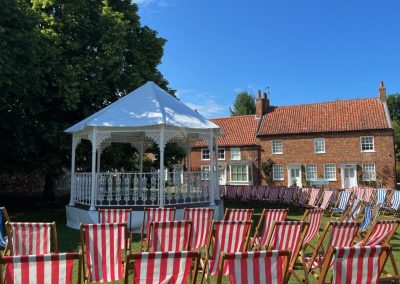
[(68, 239)]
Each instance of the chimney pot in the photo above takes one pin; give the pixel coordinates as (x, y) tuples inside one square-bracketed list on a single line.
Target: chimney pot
[(265, 96), (382, 92), (259, 93)]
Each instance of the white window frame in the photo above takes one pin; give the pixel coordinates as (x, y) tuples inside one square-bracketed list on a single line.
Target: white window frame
[(248, 173), (274, 172), (315, 171), (325, 175), (205, 172), (219, 158), (202, 154), (279, 151), (236, 151), (361, 144), (316, 146), (371, 172)]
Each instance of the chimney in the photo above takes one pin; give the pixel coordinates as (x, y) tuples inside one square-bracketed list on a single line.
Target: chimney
[(382, 92), (266, 103), (260, 105)]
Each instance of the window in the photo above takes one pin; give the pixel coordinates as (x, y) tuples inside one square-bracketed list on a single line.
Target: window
[(205, 172), (235, 153), (277, 172), (221, 154), (369, 172), (330, 171), (367, 144), (319, 145), (205, 154), (311, 171), (277, 147), (240, 173)]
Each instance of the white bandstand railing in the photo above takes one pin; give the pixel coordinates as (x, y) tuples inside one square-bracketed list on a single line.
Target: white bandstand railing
[(141, 189)]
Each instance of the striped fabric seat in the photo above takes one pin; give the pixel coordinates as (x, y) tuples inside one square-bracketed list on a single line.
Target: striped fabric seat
[(228, 237), (163, 267), (256, 267), (273, 194), (245, 193), (354, 211), (115, 216), (238, 214), (201, 219), (326, 198), (101, 246), (302, 196), (314, 195), (31, 238), (343, 201), (264, 227), (289, 194), (170, 236), (354, 264), (260, 193), (380, 196), (367, 194), (314, 217), (44, 268), (231, 192), (380, 233), (3, 235), (281, 192), (395, 204), (154, 215), (368, 218)]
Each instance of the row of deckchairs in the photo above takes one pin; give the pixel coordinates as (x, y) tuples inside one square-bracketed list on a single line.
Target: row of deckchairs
[(227, 242)]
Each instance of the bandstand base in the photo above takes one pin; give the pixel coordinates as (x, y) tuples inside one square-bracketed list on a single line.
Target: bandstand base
[(81, 214)]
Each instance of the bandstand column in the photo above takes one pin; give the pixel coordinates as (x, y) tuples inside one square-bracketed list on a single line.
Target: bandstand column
[(211, 173), (93, 189), (75, 142), (162, 180), (98, 159)]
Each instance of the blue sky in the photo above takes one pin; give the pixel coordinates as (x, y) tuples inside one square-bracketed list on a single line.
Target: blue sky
[(305, 51)]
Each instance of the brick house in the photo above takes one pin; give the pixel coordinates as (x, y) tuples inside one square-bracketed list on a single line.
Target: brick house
[(343, 143)]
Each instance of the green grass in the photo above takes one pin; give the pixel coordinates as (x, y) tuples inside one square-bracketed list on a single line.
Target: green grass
[(68, 239)]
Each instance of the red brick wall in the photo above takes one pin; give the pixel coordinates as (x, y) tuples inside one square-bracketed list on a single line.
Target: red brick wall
[(247, 153), (339, 148)]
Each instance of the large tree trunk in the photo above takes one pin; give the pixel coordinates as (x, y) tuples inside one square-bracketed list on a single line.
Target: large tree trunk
[(49, 187)]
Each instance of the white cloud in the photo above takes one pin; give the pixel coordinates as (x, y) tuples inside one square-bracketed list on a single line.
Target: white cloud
[(204, 102)]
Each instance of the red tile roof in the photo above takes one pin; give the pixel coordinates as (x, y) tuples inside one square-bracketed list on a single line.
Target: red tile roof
[(237, 131), (338, 116)]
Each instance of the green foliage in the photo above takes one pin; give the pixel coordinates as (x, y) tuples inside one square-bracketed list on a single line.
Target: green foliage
[(173, 155), (244, 104), (393, 102), (60, 61)]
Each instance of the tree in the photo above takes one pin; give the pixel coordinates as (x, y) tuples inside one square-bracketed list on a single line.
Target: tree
[(393, 102), (89, 53), (244, 104)]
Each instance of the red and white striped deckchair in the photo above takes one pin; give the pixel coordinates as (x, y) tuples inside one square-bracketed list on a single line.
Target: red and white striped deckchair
[(231, 192), (115, 216), (265, 224), (302, 195), (355, 264), (314, 197), (102, 253), (232, 214), (273, 194), (314, 217), (326, 198), (31, 238), (289, 194), (201, 219), (163, 267), (170, 236), (257, 267), (150, 215), (56, 268), (288, 235), (368, 192), (228, 237), (359, 192), (342, 235)]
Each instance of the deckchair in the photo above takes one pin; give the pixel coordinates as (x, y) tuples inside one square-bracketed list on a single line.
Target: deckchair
[(353, 211), (265, 224), (368, 218), (260, 193), (314, 197), (245, 193), (163, 267), (31, 238), (256, 267), (302, 196), (3, 234), (55, 268), (354, 264), (273, 194), (119, 215), (281, 192), (231, 192), (102, 252), (341, 234), (151, 214), (314, 218), (289, 194), (326, 198), (288, 235), (380, 197), (170, 236), (367, 194), (228, 237), (342, 203), (395, 204), (201, 219), (238, 214)]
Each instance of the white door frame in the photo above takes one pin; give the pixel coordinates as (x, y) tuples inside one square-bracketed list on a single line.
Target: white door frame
[(295, 166), (223, 182), (342, 168)]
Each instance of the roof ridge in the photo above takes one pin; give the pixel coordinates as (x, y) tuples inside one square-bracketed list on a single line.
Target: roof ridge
[(328, 102), (235, 116)]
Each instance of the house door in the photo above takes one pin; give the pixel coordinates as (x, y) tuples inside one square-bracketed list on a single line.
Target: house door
[(349, 176), (294, 176), (222, 175)]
